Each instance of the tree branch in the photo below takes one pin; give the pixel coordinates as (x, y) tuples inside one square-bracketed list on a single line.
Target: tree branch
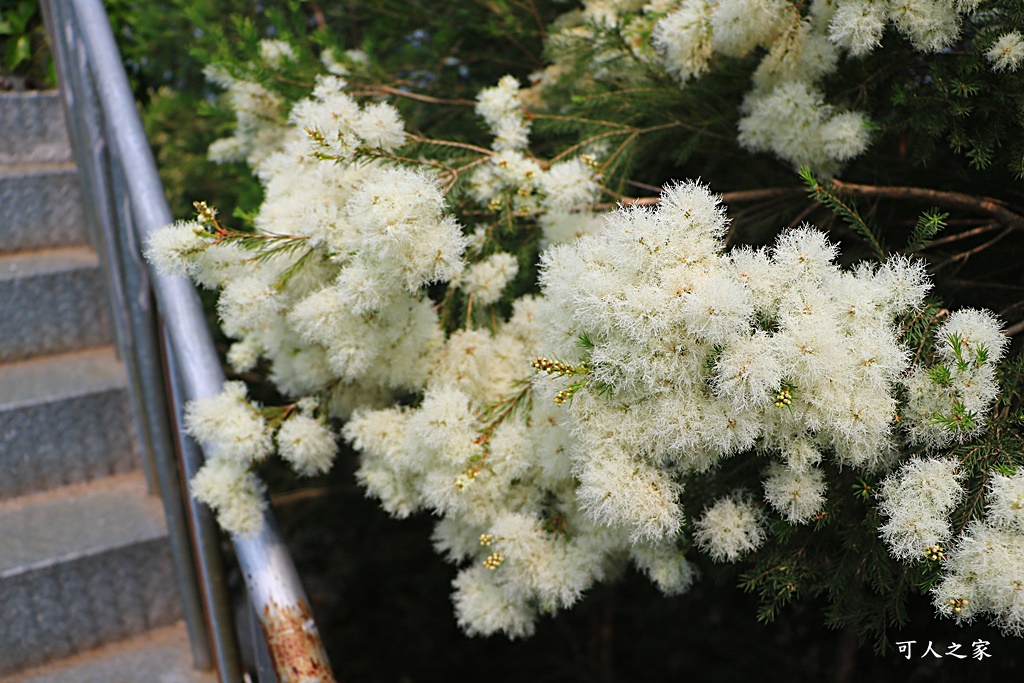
[(956, 200)]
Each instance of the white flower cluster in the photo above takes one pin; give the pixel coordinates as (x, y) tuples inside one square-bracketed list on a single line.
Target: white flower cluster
[(505, 494), (1007, 52), (258, 114), (502, 110), (948, 402), (785, 112), (917, 501), (695, 354), (672, 354), (560, 193), (984, 572), (730, 528), (796, 494), (235, 435)]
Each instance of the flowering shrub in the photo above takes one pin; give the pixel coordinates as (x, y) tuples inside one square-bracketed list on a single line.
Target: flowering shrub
[(572, 379)]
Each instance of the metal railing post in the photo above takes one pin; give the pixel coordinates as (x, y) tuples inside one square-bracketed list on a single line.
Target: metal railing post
[(273, 585)]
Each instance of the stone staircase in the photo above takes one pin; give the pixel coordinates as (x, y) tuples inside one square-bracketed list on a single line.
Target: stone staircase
[(87, 589)]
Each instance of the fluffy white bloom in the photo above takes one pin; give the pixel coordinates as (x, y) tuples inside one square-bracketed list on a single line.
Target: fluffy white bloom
[(796, 494), (243, 355), (748, 373), (729, 529), (685, 371), (1007, 52), (229, 425), (683, 38), (276, 52), (799, 54), (550, 566), (917, 501), (234, 493), (560, 226), (380, 125), (976, 329), (307, 444), (403, 234), (983, 575), (568, 184), (245, 304), (173, 248), (483, 608), (501, 108), (1006, 501), (858, 25), (739, 26), (665, 565), (618, 491), (905, 283), (486, 280), (793, 121), (929, 24), (845, 135)]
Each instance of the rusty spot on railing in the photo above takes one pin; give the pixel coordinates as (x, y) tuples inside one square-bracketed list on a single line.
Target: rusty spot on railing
[(295, 645)]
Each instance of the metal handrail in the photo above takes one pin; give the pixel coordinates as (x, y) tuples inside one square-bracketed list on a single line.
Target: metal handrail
[(127, 203)]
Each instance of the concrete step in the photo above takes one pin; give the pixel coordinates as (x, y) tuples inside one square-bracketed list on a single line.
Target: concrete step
[(64, 419), (51, 301), (160, 656), (42, 206), (32, 128), (82, 566)]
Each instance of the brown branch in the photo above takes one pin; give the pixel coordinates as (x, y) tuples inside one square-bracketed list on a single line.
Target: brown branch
[(963, 256), (415, 96), (741, 196), (1014, 329), (450, 143), (988, 227), (956, 200)]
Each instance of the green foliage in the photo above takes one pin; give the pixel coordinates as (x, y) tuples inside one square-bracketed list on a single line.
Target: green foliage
[(25, 59), (927, 227), (828, 195)]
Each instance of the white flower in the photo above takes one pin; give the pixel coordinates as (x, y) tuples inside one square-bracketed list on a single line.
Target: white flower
[(229, 425), (1007, 52), (931, 25), (683, 38), (976, 329), (568, 184), (245, 304), (857, 25), (483, 608), (380, 125), (234, 493), (307, 444), (845, 135), (501, 108), (486, 280), (729, 529), (173, 248), (983, 575), (276, 52), (795, 494), (1006, 501), (665, 565), (917, 500)]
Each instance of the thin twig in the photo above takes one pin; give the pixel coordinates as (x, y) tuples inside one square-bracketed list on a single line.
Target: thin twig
[(372, 88), (957, 200), (988, 227), (1014, 329), (963, 256)]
